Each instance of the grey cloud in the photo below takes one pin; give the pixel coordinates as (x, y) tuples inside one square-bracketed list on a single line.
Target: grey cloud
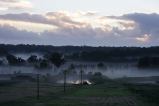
[(146, 21), (146, 24), (36, 18), (59, 19), (10, 34), (92, 37)]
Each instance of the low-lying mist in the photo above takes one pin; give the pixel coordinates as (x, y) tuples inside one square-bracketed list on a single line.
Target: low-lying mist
[(111, 70)]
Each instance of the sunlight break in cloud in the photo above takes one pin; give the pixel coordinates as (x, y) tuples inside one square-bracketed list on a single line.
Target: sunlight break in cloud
[(144, 38), (85, 19), (65, 20), (28, 26)]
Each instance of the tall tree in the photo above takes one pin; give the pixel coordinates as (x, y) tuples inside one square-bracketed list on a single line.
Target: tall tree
[(57, 59)]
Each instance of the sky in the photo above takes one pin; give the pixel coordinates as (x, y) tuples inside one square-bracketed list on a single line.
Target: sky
[(80, 22)]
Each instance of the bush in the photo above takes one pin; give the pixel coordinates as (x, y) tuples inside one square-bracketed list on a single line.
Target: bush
[(100, 65), (97, 78)]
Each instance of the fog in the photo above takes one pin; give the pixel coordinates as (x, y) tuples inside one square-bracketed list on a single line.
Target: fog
[(26, 56), (111, 70)]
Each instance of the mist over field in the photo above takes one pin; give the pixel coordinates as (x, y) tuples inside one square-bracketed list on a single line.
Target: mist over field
[(79, 52)]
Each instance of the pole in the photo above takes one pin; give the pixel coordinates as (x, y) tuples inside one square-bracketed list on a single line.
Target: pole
[(38, 89), (65, 81), (81, 77)]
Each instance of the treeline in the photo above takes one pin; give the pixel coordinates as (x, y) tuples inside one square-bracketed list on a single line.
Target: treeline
[(116, 54), (86, 53), (148, 62), (56, 59)]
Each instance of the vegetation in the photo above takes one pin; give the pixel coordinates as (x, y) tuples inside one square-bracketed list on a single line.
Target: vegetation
[(13, 60), (85, 53), (149, 94), (1, 62), (148, 62), (98, 78), (33, 59), (57, 59), (100, 65), (103, 91), (3, 51), (109, 93)]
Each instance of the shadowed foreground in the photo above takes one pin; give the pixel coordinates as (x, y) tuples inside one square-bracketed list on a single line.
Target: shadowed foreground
[(111, 93)]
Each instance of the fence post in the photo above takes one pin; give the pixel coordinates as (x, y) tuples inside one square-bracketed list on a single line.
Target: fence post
[(81, 72), (65, 80), (38, 89)]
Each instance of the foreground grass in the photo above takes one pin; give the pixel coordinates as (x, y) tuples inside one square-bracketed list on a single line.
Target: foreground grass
[(147, 93), (109, 93)]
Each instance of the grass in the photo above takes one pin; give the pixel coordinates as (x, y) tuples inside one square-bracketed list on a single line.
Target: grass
[(100, 92), (149, 94), (110, 93)]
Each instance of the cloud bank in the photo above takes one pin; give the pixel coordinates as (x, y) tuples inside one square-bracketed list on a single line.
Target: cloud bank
[(80, 28)]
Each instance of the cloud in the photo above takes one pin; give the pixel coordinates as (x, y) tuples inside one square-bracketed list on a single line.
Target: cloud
[(144, 38), (15, 4), (8, 1), (82, 28), (11, 35), (147, 22), (28, 26)]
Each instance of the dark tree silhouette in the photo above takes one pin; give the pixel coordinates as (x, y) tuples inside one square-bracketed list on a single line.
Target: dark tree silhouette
[(32, 59), (86, 53), (97, 78), (44, 64), (3, 51), (100, 64), (148, 62), (1, 62), (13, 60), (57, 59)]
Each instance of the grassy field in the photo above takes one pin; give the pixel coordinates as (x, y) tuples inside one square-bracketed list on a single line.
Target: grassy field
[(110, 93)]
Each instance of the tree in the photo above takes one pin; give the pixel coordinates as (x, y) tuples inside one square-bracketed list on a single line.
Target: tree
[(57, 59), (1, 62), (3, 51), (148, 62), (32, 59), (72, 67), (97, 78), (11, 59), (43, 64), (100, 65), (20, 60)]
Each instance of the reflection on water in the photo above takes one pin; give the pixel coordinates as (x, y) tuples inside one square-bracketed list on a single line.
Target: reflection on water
[(111, 70)]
